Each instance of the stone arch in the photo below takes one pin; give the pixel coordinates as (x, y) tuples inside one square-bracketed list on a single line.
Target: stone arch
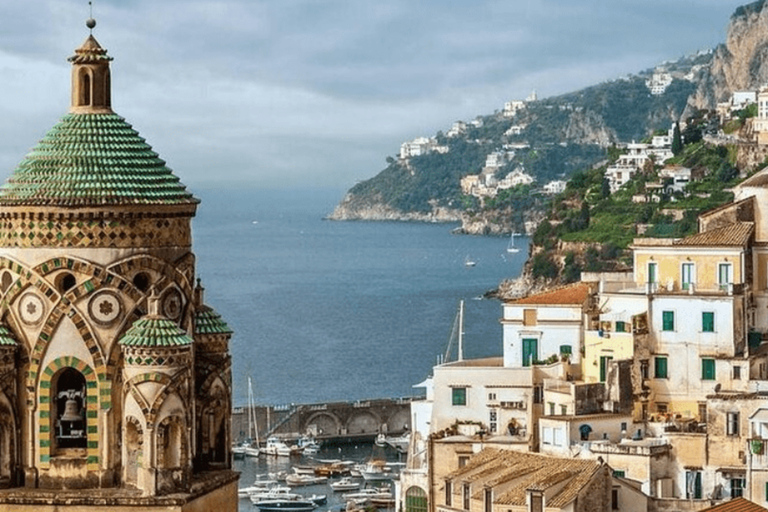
[(399, 420), (173, 387), (168, 271), (323, 422), (84, 93), (363, 422), (131, 385), (213, 432), (133, 441), (170, 443), (46, 400)]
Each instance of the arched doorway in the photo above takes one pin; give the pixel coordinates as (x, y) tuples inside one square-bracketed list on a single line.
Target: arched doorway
[(415, 500)]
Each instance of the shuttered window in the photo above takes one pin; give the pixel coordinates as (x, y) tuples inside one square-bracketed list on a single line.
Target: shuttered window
[(668, 320), (708, 369), (707, 321)]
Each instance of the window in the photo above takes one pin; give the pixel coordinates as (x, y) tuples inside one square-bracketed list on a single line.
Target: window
[(737, 372), (488, 495), (538, 394), (459, 396), (564, 410), (546, 435), (621, 326), (465, 495), (661, 408), (605, 362), (415, 500), (565, 349), (693, 485), (737, 487), (668, 321), (493, 418), (724, 275), (69, 410), (530, 351), (707, 321), (463, 459), (615, 497), (491, 397), (551, 408), (686, 277), (660, 367), (644, 369), (652, 272), (559, 437), (707, 369), (703, 412), (448, 493), (732, 424)]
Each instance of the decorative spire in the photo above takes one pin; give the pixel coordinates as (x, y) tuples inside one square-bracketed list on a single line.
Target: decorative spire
[(91, 87)]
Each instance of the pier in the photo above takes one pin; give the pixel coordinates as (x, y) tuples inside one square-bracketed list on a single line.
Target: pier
[(330, 423)]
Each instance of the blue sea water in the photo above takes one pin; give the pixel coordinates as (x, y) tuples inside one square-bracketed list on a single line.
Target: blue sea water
[(326, 311)]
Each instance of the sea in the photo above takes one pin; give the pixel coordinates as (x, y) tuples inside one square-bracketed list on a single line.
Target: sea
[(340, 311)]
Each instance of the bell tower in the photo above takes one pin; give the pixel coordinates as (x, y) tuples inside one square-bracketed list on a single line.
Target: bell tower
[(91, 82)]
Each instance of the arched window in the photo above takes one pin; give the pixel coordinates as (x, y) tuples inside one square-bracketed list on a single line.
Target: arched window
[(170, 443), (69, 409), (415, 500), (84, 92)]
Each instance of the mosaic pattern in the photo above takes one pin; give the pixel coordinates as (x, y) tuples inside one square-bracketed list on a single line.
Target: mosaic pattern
[(44, 410), (162, 357), (89, 160), (105, 231)]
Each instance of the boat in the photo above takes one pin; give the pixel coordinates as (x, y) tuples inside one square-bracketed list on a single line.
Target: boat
[(399, 443), (300, 480), (289, 505), (318, 499), (249, 447), (345, 484), (511, 246), (308, 445), (277, 448), (331, 470), (376, 470), (364, 495), (238, 451), (274, 493), (304, 470), (469, 262)]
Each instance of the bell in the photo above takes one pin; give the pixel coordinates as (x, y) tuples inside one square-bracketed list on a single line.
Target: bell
[(71, 411)]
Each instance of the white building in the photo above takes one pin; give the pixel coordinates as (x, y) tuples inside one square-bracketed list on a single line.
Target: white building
[(678, 175), (457, 129), (659, 82), (421, 146), (554, 187), (511, 107)]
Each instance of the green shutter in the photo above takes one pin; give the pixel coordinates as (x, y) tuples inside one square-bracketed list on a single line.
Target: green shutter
[(604, 362), (708, 369), (707, 321), (660, 367), (668, 320), (459, 396), (530, 351), (565, 349), (620, 327)]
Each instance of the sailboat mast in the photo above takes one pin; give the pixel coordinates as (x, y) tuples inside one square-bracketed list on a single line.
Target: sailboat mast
[(461, 331)]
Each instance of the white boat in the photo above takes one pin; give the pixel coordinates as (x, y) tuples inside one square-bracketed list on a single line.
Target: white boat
[(368, 494), (469, 262), (377, 470), (511, 247), (304, 470), (308, 445), (273, 493), (300, 480), (345, 484), (289, 505), (276, 447)]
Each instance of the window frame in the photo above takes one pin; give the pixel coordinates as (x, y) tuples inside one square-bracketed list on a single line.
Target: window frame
[(668, 321), (708, 369), (457, 399), (708, 326), (687, 278), (732, 423), (656, 367)]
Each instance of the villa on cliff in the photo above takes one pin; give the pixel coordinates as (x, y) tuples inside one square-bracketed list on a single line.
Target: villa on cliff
[(660, 374), (115, 380)]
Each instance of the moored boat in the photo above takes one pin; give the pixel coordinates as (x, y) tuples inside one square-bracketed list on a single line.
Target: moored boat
[(286, 505), (345, 484), (300, 480)]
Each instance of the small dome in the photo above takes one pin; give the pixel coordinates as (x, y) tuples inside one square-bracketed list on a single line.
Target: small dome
[(208, 321), (153, 331)]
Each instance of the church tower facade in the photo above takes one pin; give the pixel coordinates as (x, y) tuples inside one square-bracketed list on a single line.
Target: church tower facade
[(114, 375)]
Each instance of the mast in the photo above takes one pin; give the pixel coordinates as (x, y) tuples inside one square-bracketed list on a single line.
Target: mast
[(460, 354)]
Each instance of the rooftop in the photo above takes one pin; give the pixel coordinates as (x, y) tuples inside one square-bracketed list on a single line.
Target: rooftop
[(574, 294), (737, 234)]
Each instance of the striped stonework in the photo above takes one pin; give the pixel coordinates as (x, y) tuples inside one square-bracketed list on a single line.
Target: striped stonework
[(45, 399)]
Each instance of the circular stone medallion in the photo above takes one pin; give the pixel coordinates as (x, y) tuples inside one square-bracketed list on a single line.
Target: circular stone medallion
[(31, 308), (105, 307), (172, 304)]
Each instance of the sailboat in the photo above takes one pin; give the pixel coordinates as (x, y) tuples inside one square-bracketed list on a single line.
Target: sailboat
[(457, 333), (250, 447), (511, 246)]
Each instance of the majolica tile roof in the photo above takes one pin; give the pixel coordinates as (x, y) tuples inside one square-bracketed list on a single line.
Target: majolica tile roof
[(6, 337), (93, 160), (208, 321), (155, 331), (737, 234)]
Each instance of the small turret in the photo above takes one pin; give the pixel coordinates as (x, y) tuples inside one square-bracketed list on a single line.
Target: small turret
[(91, 82)]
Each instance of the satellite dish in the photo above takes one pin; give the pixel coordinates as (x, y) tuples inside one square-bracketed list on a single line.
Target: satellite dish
[(717, 387)]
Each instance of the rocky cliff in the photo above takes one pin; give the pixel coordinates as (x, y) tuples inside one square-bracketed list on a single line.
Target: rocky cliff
[(741, 63)]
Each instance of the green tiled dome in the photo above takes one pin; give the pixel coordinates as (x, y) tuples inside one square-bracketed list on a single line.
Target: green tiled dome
[(208, 321), (93, 159), (6, 337), (155, 332)]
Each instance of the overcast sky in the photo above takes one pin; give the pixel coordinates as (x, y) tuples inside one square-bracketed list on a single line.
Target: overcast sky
[(319, 92)]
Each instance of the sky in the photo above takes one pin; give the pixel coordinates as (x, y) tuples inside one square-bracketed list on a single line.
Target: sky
[(317, 93)]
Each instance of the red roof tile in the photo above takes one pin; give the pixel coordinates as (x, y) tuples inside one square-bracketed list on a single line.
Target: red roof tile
[(737, 505), (575, 293)]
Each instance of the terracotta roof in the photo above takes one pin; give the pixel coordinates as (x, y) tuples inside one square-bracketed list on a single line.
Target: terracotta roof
[(515, 472), (737, 505), (575, 293), (737, 234), (759, 179)]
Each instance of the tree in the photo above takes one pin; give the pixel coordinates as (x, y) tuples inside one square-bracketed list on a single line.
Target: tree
[(677, 140), (605, 188)]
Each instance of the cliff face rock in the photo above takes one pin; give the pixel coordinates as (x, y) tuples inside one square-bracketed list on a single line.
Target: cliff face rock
[(351, 208), (740, 64), (588, 128)]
